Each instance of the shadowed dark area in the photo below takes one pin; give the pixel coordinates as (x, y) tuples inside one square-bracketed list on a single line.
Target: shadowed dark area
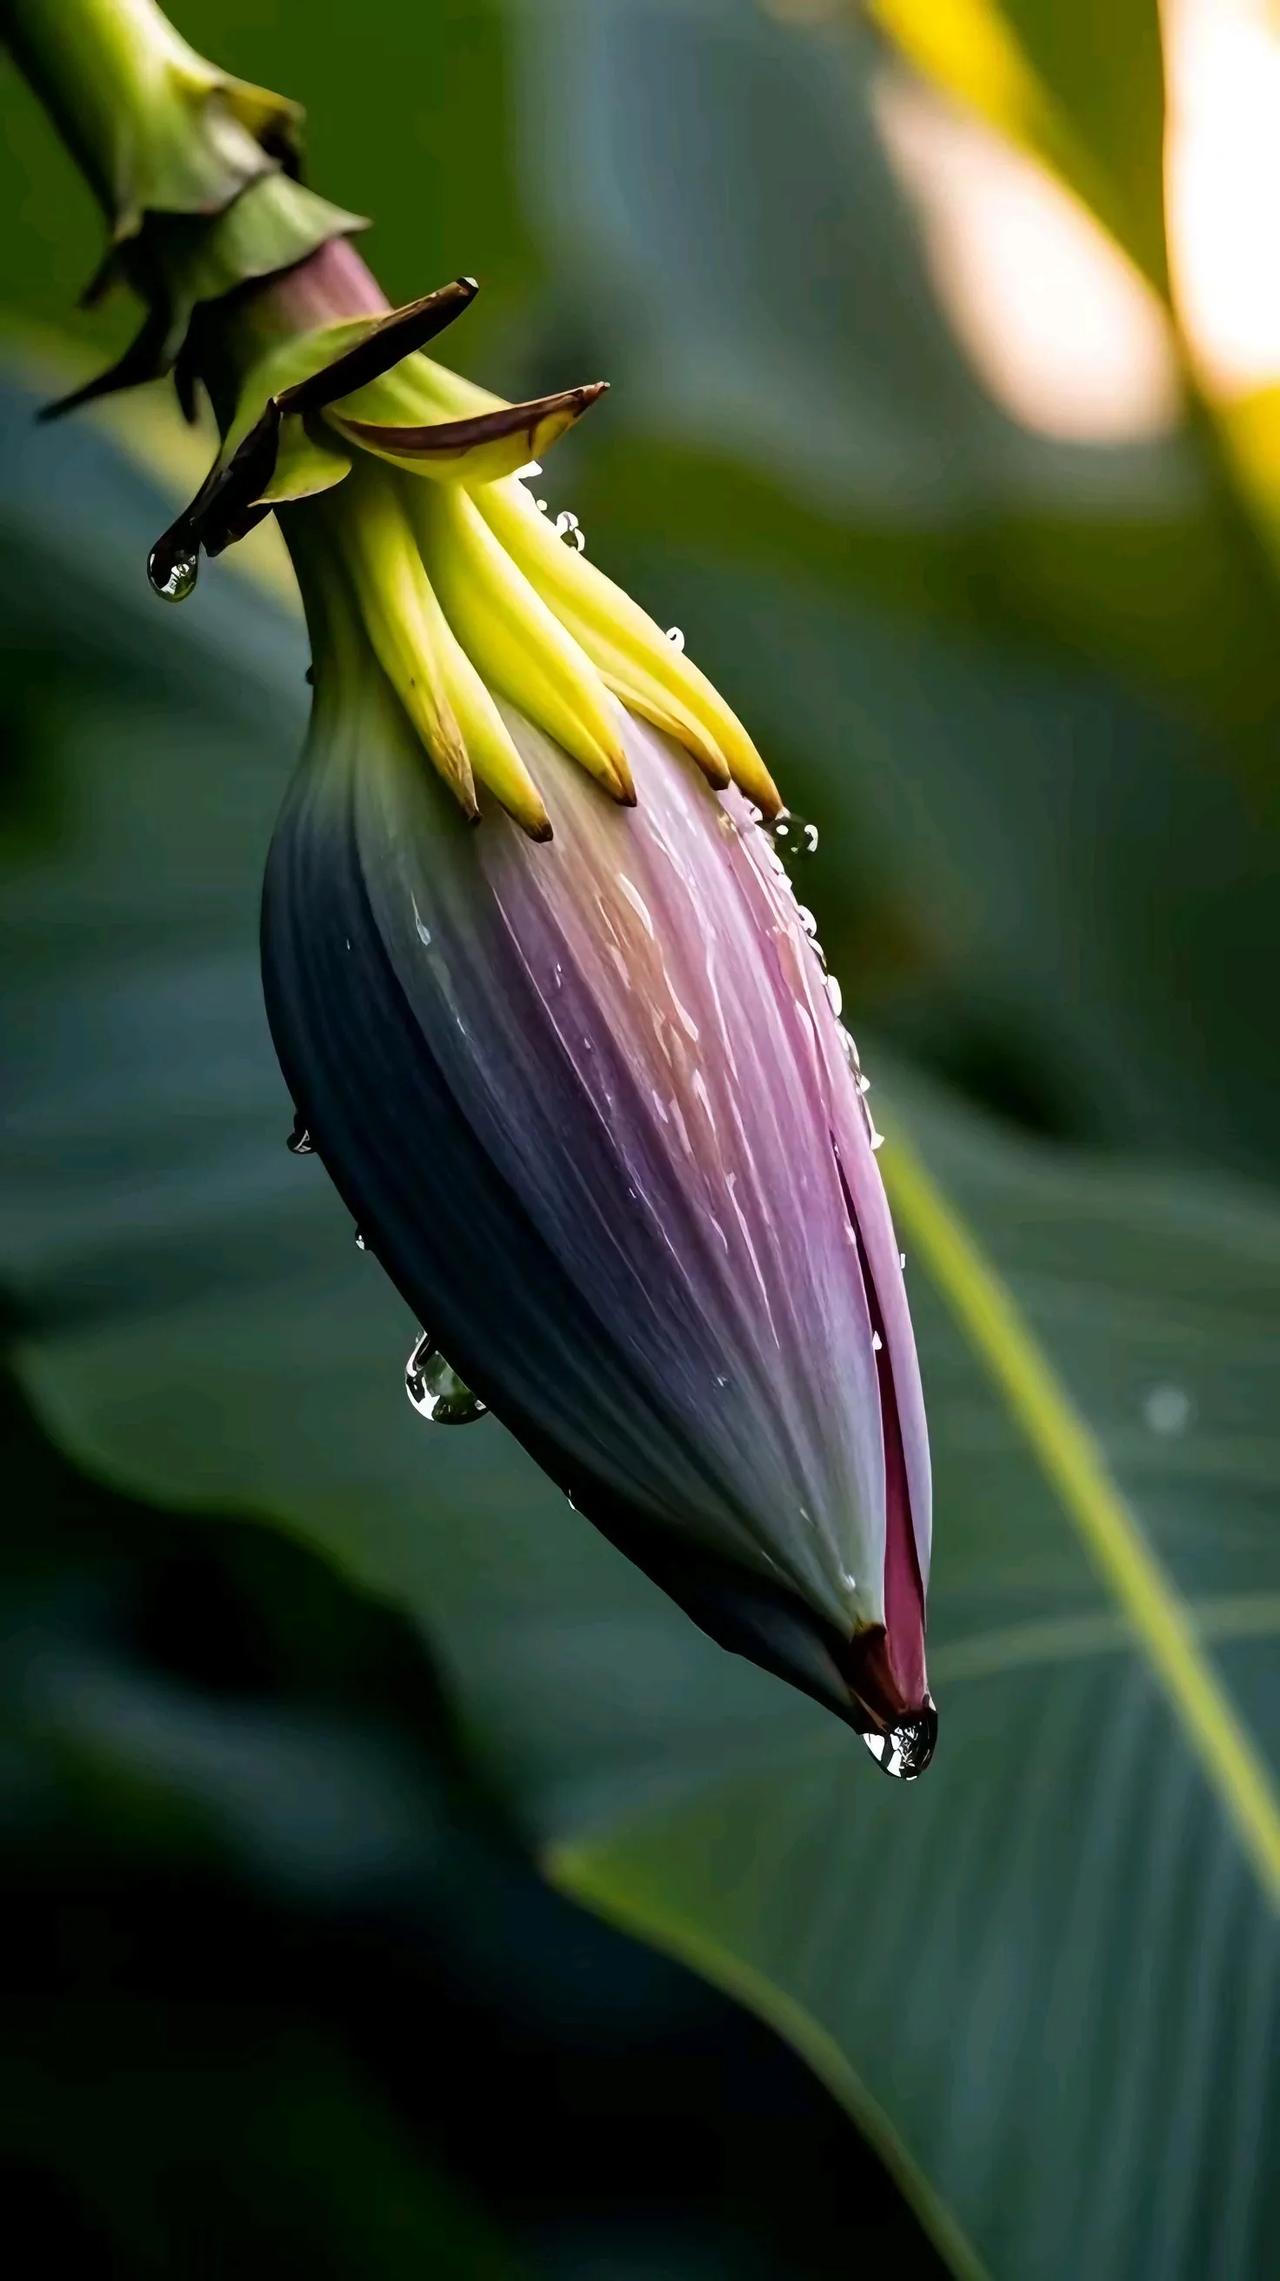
[(282, 1982)]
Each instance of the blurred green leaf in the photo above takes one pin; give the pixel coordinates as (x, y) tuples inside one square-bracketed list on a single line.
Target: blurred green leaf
[(726, 232), (1043, 1979), (1081, 87)]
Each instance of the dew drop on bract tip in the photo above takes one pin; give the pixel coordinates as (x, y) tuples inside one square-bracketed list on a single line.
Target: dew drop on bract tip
[(300, 1142), (172, 573), (905, 1751), (436, 1392)]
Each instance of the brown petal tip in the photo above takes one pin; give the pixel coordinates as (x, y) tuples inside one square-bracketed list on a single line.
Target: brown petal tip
[(453, 439), (391, 338)]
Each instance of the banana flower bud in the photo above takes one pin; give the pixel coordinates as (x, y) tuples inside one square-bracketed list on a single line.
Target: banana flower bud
[(553, 1021)]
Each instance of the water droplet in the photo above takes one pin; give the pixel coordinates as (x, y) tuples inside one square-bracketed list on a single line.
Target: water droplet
[(675, 637), (173, 570), (436, 1392), (835, 995), (569, 529), (300, 1142), (791, 834), (1167, 1410), (876, 1341), (541, 506), (877, 1139), (361, 1244), (902, 1261), (905, 1751)]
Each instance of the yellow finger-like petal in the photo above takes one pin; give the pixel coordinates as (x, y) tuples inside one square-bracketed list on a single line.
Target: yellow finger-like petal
[(515, 642), (406, 625), (490, 746), (631, 653), (421, 656)]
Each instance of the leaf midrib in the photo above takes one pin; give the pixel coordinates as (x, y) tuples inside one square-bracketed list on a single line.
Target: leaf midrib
[(1072, 1462)]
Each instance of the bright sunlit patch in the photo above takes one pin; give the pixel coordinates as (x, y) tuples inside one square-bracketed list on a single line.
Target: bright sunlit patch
[(1063, 331), (1223, 184)]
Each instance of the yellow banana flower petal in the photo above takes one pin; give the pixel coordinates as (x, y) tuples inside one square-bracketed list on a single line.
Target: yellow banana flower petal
[(407, 628), (623, 642), (516, 644)]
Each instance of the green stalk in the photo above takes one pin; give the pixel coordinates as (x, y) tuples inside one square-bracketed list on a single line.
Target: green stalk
[(195, 170), (153, 127)]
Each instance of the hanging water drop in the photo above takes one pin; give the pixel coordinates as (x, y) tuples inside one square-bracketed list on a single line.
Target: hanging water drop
[(675, 637), (569, 529), (361, 1244), (300, 1142), (834, 994), (173, 570), (436, 1391), (905, 1751)]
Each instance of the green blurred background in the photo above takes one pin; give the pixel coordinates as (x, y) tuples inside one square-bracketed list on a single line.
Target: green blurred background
[(397, 1883)]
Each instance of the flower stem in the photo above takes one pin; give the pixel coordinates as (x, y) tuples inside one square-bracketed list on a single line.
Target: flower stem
[(153, 127), (195, 170)]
